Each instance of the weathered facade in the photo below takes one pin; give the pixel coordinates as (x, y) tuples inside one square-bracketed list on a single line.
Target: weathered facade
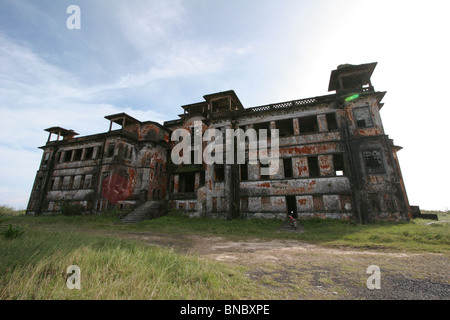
[(335, 160)]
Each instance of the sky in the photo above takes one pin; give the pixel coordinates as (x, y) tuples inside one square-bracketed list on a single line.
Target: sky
[(148, 58)]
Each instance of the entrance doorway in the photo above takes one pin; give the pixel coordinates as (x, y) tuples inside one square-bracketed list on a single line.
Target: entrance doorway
[(291, 206)]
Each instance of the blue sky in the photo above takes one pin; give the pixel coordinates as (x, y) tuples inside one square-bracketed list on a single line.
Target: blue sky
[(147, 58)]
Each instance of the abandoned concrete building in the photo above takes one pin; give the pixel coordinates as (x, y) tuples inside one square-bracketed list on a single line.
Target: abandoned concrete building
[(335, 161)]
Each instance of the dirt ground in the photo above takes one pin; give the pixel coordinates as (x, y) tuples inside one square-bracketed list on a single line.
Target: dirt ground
[(297, 270)]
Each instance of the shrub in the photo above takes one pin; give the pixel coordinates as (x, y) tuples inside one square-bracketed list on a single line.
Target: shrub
[(12, 232), (6, 210)]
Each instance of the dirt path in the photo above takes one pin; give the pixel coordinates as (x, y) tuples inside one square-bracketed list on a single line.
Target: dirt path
[(292, 269), (298, 270)]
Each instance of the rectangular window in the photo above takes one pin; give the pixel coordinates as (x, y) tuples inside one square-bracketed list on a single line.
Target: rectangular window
[(331, 121), (219, 172), (265, 126), (373, 161), (78, 154), (338, 163), (287, 164), (313, 167), (88, 153), (308, 124), (285, 127), (243, 172), (363, 117), (67, 155), (111, 148)]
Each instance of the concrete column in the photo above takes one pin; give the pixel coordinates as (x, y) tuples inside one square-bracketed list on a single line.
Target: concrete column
[(296, 126), (322, 121)]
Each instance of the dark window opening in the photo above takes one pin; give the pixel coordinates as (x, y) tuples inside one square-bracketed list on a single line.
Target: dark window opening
[(374, 163), (287, 164), (89, 153), (265, 126), (313, 167), (58, 156), (220, 105), (338, 163), (219, 172), (243, 172), (67, 156), (285, 127), (111, 148), (187, 182), (363, 118), (331, 121), (308, 124), (78, 154), (214, 204)]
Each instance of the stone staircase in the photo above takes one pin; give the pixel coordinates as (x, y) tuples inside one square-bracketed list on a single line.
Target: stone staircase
[(148, 210)]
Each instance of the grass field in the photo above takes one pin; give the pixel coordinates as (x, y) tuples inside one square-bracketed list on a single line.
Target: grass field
[(34, 265)]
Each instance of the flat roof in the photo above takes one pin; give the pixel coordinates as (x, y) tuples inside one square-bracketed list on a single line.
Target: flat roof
[(350, 69), (61, 131)]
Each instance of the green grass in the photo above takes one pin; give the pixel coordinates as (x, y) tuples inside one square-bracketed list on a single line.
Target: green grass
[(416, 235), (34, 267)]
